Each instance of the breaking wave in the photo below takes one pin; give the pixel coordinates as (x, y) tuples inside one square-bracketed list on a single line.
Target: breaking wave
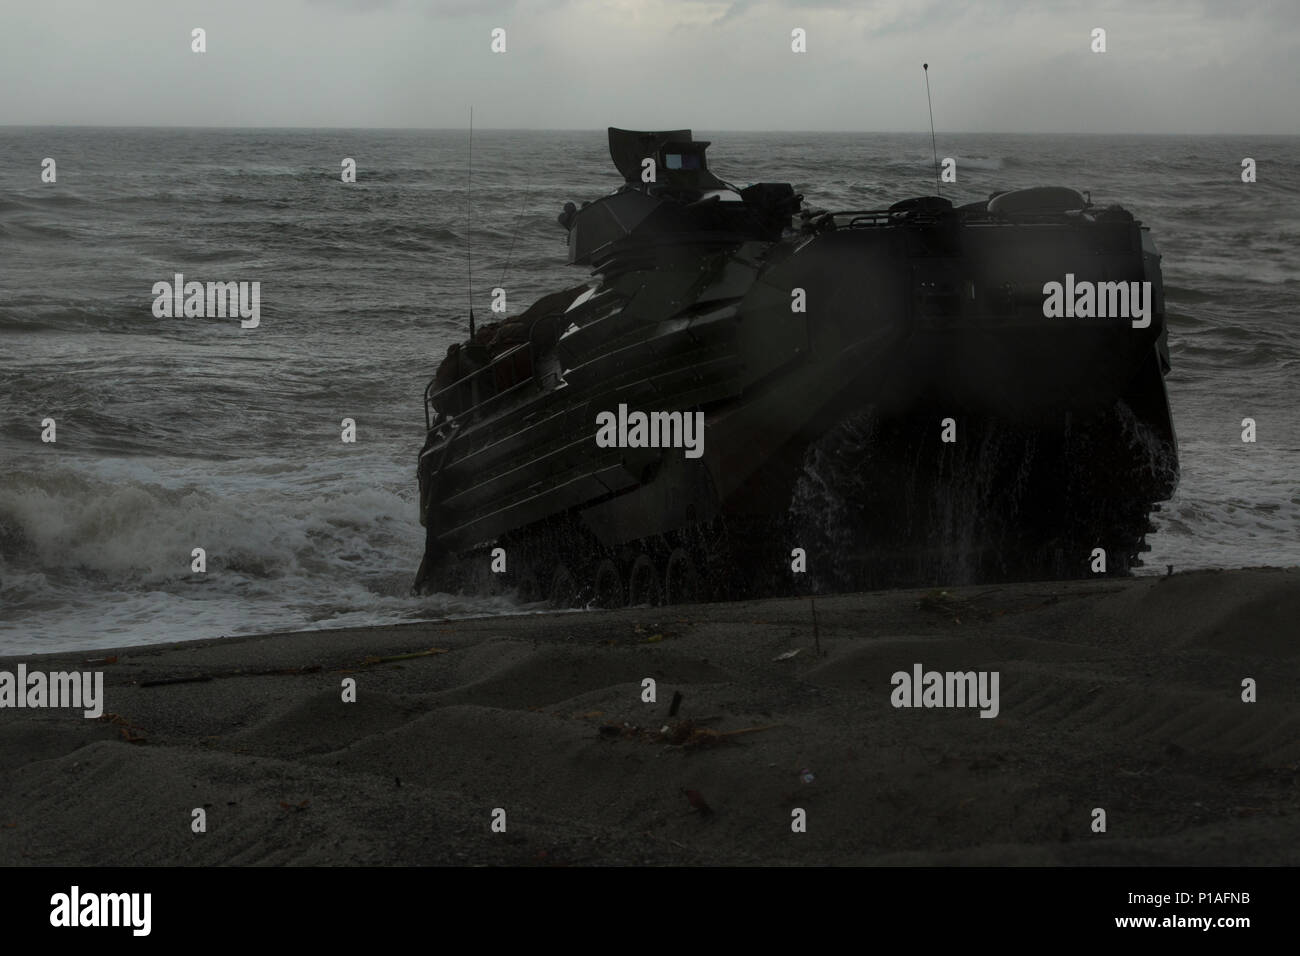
[(115, 560)]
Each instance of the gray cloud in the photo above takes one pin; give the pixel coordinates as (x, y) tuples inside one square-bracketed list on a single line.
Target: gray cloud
[(997, 65)]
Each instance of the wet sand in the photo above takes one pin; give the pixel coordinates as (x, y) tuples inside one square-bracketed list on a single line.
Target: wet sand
[(1119, 695)]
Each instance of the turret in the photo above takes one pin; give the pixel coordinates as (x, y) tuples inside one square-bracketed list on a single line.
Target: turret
[(680, 198)]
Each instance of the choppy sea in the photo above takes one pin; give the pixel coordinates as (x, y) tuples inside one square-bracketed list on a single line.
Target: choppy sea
[(177, 433)]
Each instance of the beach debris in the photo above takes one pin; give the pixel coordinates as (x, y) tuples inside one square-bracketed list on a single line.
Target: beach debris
[(559, 856), (127, 730), (679, 733), (947, 603), (405, 657), (697, 802), (806, 775), (677, 702), (653, 633), (787, 655), (817, 634), (101, 661), (296, 807), (237, 672), (161, 681), (940, 601)]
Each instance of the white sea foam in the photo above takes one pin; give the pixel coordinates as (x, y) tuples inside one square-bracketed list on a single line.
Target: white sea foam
[(85, 563)]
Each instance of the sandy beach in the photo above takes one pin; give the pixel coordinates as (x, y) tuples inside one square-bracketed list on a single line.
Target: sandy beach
[(1124, 696)]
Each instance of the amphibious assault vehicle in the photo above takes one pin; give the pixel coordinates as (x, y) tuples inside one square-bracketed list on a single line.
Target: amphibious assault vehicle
[(752, 397)]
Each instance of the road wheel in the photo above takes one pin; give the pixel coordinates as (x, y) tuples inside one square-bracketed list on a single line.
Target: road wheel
[(564, 588), (527, 588), (608, 582), (643, 583), (681, 580)]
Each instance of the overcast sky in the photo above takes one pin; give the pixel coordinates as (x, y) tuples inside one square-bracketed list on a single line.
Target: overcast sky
[(1171, 66)]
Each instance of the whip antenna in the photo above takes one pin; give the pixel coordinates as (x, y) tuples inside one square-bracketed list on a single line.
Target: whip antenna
[(926, 68), (469, 254), (513, 237)]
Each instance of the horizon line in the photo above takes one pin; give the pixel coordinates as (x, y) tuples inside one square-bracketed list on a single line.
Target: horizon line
[(540, 129)]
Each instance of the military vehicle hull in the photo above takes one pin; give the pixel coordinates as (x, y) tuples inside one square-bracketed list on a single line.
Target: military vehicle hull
[(891, 391)]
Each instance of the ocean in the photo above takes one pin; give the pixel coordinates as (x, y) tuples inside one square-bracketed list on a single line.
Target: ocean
[(181, 433)]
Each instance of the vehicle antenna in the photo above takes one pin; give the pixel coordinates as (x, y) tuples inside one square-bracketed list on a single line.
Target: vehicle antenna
[(513, 236), (469, 254), (926, 68)]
